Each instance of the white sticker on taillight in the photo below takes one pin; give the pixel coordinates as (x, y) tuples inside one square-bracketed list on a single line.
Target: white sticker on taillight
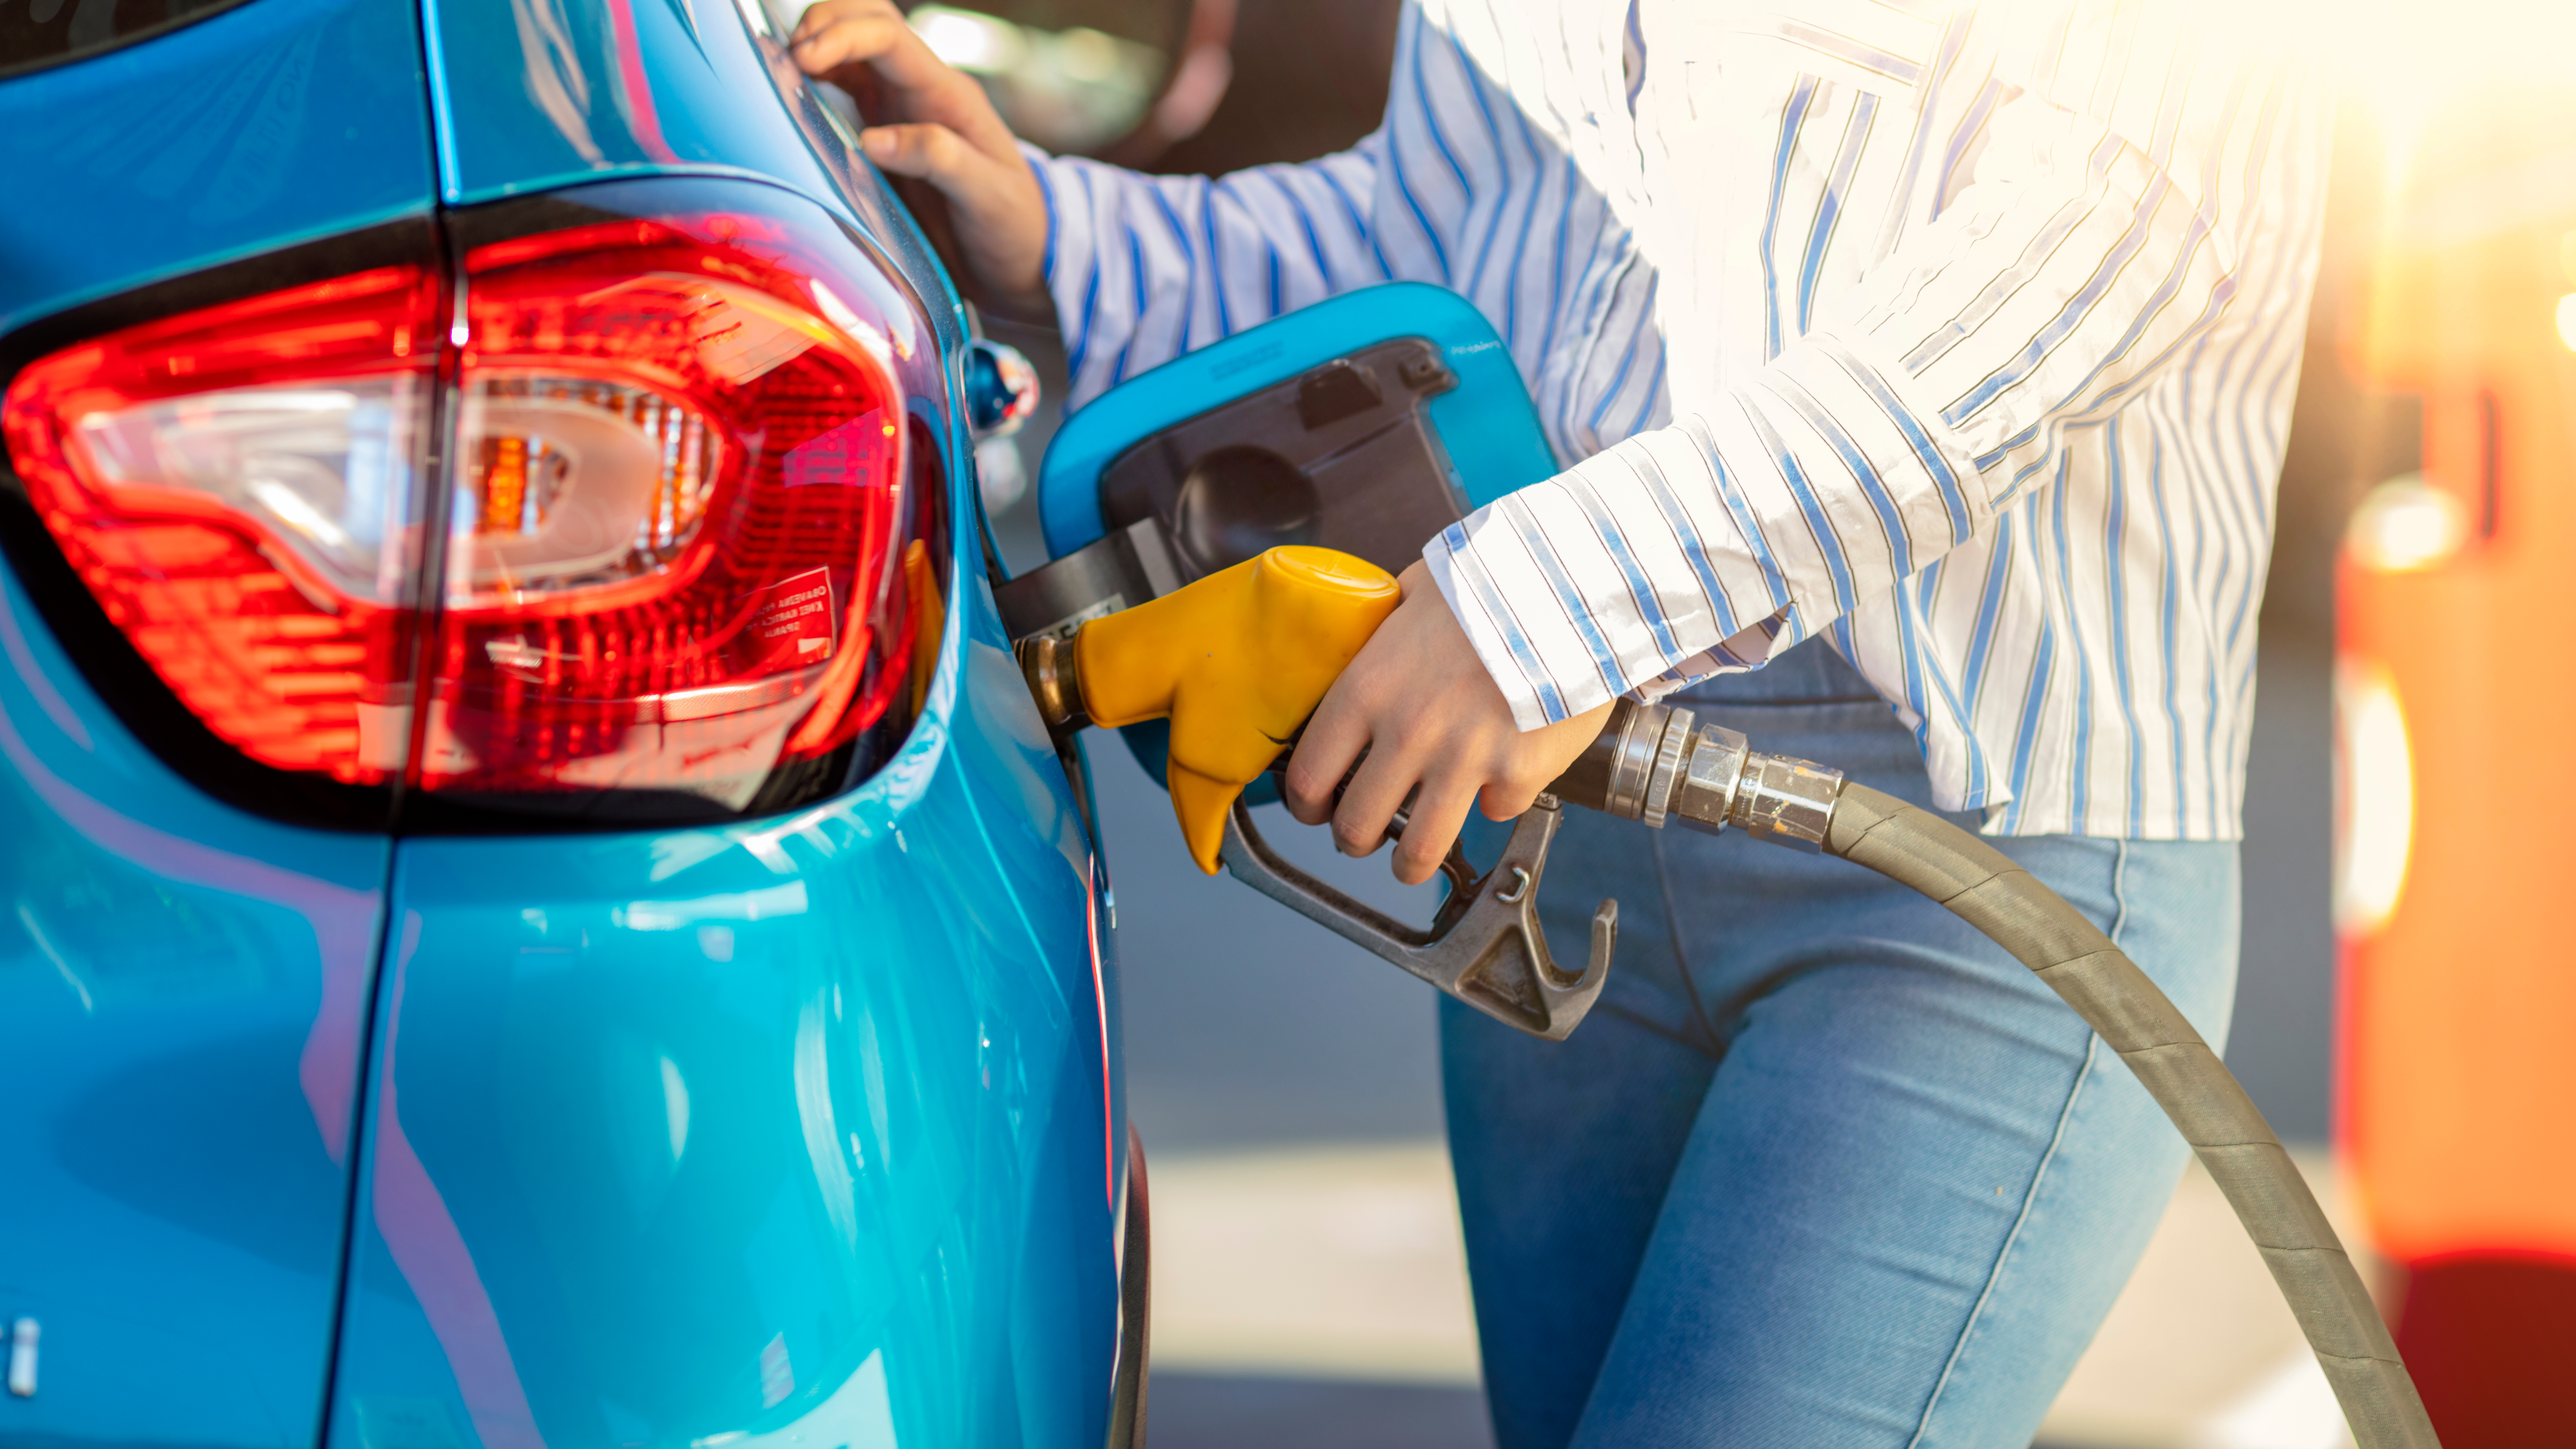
[(793, 621)]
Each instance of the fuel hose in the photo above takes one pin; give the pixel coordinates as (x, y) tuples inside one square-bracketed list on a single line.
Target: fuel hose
[(1654, 764)]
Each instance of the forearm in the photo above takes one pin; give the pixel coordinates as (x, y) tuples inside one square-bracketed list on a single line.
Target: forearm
[(1144, 268)]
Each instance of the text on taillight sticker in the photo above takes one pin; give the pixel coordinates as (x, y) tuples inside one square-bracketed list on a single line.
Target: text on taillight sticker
[(793, 622)]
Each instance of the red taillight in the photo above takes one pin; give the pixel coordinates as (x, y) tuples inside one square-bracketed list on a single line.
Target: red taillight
[(669, 526)]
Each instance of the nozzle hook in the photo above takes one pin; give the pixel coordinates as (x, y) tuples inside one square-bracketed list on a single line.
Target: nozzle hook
[(1485, 946)]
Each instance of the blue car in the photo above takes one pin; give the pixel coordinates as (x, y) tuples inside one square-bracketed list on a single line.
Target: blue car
[(536, 908)]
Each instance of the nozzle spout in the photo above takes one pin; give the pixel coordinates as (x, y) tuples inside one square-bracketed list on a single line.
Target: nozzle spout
[(1055, 681)]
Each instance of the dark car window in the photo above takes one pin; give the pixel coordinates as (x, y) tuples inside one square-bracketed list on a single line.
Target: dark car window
[(36, 33)]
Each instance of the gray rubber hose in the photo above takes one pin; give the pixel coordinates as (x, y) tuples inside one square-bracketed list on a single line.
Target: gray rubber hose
[(1985, 889)]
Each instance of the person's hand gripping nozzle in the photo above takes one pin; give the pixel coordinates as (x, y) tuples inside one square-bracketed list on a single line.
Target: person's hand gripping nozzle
[(1237, 661)]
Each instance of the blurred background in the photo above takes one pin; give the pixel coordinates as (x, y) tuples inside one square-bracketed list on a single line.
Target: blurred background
[(2403, 978)]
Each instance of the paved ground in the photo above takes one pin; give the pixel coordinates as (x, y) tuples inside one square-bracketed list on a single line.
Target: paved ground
[(1322, 1291), (1252, 1411)]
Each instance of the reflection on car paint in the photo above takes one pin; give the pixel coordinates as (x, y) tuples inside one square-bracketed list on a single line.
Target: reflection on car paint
[(216, 134), (183, 1021)]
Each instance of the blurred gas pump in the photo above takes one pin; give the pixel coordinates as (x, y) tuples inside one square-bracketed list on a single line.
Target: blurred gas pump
[(2456, 701)]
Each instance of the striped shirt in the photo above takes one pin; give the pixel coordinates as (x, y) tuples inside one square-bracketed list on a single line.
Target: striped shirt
[(1964, 334)]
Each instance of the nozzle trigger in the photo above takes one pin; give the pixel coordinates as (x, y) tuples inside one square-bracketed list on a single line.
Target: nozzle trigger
[(1485, 946)]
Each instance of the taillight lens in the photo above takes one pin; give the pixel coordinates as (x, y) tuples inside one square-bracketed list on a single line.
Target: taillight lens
[(668, 531), (236, 487)]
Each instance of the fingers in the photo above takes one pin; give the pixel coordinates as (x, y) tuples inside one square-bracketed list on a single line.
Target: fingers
[(840, 33), (1434, 724), (945, 131), (1325, 753), (1369, 802), (1438, 814), (845, 32), (1001, 215), (934, 153), (1533, 762), (1507, 799)]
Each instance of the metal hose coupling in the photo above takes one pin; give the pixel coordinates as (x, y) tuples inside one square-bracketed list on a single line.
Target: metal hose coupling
[(1655, 762)]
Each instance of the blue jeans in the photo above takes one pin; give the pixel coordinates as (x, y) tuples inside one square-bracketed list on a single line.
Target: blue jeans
[(1824, 1167)]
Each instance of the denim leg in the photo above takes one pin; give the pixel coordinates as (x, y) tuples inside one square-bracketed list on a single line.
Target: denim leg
[(2111, 1169), (1838, 1170), (1611, 1109), (1563, 1151)]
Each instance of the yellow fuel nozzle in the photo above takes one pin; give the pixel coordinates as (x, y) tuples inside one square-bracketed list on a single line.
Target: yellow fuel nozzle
[(1237, 661)]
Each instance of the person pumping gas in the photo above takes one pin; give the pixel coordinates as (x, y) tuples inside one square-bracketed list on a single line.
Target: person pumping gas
[(1920, 374)]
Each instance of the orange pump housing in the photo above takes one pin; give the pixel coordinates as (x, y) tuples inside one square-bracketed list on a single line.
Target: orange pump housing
[(2457, 1077)]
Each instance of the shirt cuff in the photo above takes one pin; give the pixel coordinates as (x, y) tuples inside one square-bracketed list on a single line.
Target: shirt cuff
[(1504, 650), (1498, 640), (1744, 651), (1039, 162), (1562, 633)]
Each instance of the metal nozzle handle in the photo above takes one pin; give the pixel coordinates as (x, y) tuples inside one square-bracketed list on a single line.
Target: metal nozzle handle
[(1485, 947)]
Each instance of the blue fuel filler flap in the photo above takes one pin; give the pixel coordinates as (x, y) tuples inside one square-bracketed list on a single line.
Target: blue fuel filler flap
[(1366, 423)]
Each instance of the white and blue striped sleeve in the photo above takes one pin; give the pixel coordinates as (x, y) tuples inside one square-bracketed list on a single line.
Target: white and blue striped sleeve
[(2045, 280), (1144, 268)]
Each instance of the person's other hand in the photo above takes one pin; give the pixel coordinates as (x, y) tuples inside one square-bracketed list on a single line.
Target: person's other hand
[(945, 131), (1420, 702)]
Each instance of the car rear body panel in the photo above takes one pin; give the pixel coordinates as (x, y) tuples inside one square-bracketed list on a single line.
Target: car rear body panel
[(795, 1132), (183, 1003), (531, 95), (790, 1128)]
